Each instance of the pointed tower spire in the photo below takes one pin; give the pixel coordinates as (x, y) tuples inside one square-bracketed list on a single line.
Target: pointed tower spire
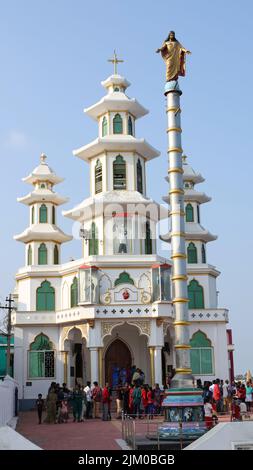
[(43, 238)]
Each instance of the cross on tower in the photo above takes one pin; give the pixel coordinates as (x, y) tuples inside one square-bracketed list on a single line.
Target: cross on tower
[(115, 61)]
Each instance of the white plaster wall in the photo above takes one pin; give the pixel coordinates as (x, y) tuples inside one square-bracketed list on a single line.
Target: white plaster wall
[(38, 385)]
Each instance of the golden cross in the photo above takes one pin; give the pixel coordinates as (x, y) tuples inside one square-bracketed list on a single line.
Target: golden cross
[(115, 62)]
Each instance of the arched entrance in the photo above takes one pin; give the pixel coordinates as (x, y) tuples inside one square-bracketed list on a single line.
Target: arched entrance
[(118, 361)]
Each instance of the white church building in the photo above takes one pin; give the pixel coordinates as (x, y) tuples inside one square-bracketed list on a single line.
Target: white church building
[(92, 318)]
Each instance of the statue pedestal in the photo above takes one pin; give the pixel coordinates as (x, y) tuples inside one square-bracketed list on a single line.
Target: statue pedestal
[(184, 415)]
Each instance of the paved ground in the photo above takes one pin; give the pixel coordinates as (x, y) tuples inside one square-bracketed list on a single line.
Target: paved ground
[(93, 434), (90, 435)]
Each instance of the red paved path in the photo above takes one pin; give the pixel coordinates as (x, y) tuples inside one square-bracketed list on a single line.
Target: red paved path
[(93, 434)]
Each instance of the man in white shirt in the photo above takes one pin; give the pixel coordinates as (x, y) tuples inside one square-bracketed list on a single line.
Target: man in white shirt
[(88, 392)]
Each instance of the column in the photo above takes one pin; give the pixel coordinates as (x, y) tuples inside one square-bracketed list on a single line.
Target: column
[(183, 375), (152, 378), (158, 365), (94, 365)]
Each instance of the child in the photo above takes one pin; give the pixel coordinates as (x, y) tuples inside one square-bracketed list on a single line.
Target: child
[(64, 411), (208, 413), (39, 405)]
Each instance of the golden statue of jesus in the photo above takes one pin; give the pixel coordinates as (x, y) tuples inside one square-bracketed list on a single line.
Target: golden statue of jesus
[(173, 54)]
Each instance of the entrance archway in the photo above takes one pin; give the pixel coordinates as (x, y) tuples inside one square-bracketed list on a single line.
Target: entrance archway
[(118, 361)]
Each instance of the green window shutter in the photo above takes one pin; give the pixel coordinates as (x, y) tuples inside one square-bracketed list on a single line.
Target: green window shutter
[(130, 125), (192, 253), (29, 255), (43, 214), (195, 295), (203, 252), (45, 299), (42, 254), (119, 173), (53, 215), (206, 357), (36, 364), (200, 340), (104, 127), (117, 124), (98, 177), (195, 360), (32, 214), (139, 177), (93, 241), (74, 293), (189, 213), (148, 240), (56, 255)]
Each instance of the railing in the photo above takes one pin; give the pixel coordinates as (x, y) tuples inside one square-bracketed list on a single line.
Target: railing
[(8, 400), (149, 428)]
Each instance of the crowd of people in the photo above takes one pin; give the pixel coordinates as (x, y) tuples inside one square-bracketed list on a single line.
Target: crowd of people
[(137, 399), (222, 396)]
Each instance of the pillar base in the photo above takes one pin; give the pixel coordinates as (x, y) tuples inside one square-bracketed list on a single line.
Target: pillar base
[(184, 415), (182, 380)]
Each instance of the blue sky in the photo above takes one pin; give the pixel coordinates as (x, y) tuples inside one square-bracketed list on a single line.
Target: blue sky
[(53, 56)]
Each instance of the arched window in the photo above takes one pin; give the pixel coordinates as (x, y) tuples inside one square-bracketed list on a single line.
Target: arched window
[(148, 240), (104, 127), (189, 213), (119, 173), (195, 294), (192, 253), (41, 358), (93, 240), (53, 215), (98, 177), (117, 124), (201, 354), (43, 214), (32, 214), (203, 252), (29, 255), (42, 254), (124, 278), (130, 125), (74, 292), (45, 297), (56, 254), (139, 177)]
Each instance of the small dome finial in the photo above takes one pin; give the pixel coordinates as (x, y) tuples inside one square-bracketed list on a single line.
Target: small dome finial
[(43, 158), (184, 157)]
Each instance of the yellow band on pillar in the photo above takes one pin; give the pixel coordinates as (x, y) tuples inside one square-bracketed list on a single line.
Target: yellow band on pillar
[(181, 213), (181, 323), (176, 191), (176, 129), (173, 108), (183, 371), (176, 170), (180, 300), (180, 277), (179, 255), (175, 149), (182, 346), (177, 234)]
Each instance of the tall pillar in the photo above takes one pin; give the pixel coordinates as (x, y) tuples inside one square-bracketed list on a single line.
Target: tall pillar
[(94, 365), (183, 376), (158, 365)]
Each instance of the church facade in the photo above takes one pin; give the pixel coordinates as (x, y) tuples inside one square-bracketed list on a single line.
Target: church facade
[(96, 317)]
